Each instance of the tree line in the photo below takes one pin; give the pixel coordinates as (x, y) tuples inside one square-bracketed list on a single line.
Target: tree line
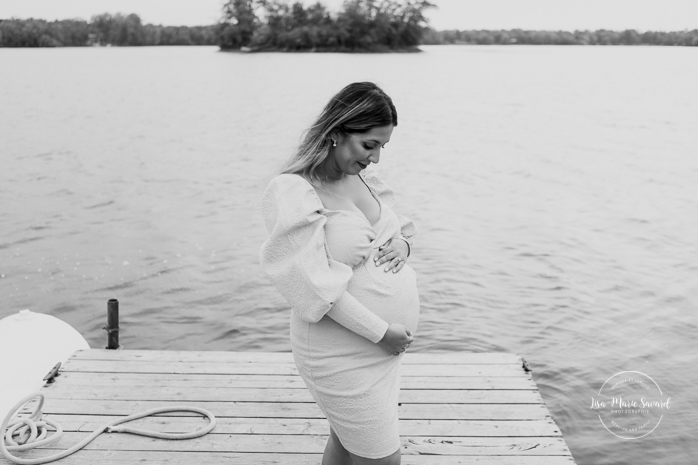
[(104, 29), (599, 37), (361, 25)]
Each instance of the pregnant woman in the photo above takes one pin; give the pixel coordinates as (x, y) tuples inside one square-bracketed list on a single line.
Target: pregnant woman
[(338, 253)]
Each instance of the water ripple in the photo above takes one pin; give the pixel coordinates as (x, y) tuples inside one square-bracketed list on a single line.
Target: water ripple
[(564, 236)]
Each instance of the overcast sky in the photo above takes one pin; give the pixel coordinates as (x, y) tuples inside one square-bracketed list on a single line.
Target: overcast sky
[(643, 15)]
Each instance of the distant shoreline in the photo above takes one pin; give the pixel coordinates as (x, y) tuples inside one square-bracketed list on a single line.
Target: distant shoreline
[(376, 50), (578, 37), (328, 50), (119, 31)]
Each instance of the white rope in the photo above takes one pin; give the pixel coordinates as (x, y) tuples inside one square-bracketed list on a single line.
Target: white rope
[(29, 432)]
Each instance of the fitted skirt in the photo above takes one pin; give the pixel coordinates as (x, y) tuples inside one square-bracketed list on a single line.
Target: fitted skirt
[(355, 382)]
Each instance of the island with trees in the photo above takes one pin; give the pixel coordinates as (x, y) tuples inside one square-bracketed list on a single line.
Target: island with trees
[(359, 26)]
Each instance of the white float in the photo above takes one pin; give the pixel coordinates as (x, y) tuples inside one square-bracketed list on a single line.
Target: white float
[(30, 345)]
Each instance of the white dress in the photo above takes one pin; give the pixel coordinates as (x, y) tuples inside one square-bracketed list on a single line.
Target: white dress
[(321, 261)]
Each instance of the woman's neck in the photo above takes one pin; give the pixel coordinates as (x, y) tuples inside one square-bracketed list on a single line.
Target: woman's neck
[(330, 173)]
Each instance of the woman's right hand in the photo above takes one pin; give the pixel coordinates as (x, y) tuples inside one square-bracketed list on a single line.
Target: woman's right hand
[(396, 339)]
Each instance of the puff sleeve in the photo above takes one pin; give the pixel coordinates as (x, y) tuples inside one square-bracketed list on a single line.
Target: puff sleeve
[(295, 258), (408, 230)]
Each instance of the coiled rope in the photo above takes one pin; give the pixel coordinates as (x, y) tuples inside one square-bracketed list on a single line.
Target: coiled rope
[(29, 432)]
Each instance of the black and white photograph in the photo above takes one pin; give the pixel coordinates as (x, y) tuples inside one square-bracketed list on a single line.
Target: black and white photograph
[(348, 232)]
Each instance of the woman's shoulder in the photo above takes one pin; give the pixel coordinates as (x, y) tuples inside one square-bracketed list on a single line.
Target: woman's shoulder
[(289, 180), (290, 183), (293, 188)]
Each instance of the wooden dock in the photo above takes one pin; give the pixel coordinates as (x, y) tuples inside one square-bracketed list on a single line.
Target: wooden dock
[(454, 409)]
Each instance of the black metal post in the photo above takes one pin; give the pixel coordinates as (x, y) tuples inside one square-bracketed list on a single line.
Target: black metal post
[(112, 327)]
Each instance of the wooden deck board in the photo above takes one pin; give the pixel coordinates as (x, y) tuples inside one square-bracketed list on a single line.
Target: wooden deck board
[(286, 368), (115, 457), (491, 358), (128, 380), (222, 394), (315, 444), (227, 425), (233, 408), (454, 409)]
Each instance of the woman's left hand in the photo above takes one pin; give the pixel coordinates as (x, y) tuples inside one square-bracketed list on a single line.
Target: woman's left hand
[(394, 253)]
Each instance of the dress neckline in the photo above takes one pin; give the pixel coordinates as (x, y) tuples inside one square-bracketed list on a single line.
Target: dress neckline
[(360, 214), (378, 200)]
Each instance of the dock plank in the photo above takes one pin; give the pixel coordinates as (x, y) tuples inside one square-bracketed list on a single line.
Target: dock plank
[(116, 457), (454, 408), (234, 408), (284, 368), (208, 394), (446, 358), (315, 444), (318, 426), (294, 381)]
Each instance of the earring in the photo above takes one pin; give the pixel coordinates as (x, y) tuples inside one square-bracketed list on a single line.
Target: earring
[(334, 143)]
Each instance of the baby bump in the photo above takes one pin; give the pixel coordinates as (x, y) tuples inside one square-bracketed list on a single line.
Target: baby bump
[(391, 296)]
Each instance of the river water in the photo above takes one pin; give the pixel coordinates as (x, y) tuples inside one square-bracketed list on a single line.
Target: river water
[(554, 189)]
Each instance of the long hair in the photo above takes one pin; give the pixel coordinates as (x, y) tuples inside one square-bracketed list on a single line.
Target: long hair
[(357, 108)]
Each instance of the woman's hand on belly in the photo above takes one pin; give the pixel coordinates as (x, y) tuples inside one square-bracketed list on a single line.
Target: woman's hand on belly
[(396, 339), (394, 253)]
